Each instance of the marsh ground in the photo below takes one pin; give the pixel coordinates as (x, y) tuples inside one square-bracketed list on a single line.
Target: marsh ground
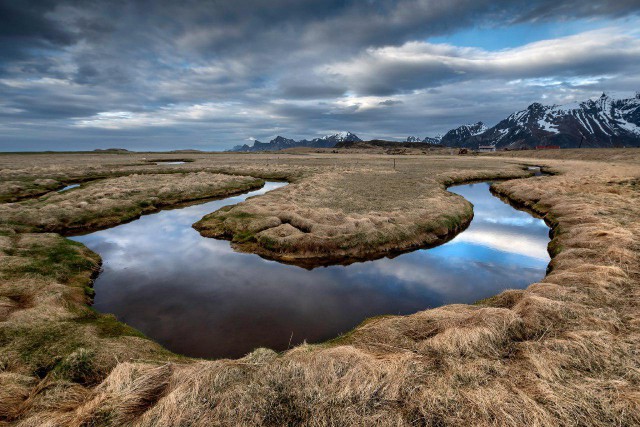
[(562, 352)]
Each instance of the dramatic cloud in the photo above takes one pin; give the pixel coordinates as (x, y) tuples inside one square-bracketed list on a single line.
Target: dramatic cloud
[(208, 74), (419, 65)]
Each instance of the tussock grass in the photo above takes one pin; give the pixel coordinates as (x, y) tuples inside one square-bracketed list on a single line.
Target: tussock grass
[(52, 344), (111, 201), (562, 352), (352, 214)]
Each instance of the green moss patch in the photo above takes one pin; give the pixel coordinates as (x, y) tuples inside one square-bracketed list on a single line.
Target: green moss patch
[(61, 261)]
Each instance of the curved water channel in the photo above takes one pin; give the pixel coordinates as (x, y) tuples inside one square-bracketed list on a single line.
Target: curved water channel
[(198, 297)]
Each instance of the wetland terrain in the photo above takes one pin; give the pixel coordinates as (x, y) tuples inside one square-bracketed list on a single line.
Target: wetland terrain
[(366, 289), (197, 296)]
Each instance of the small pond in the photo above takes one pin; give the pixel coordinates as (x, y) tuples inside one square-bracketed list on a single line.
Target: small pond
[(198, 297)]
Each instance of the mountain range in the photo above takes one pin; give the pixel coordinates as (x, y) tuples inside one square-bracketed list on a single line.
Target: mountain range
[(426, 140), (601, 122), (279, 142)]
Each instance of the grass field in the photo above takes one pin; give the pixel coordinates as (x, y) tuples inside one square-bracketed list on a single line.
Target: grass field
[(564, 351)]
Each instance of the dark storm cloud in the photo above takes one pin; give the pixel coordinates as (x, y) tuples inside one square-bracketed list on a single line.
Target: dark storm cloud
[(299, 81), (26, 30), (253, 67), (390, 102), (214, 28), (25, 24), (549, 10)]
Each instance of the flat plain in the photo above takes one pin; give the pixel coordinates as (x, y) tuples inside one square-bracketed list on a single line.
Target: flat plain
[(562, 352)]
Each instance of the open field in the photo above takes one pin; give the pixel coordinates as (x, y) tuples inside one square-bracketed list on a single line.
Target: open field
[(564, 351)]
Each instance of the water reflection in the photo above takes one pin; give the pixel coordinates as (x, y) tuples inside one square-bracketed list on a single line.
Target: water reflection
[(198, 297), (68, 187)]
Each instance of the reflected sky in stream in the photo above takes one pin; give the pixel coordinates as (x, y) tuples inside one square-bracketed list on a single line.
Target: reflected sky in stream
[(69, 187), (198, 297)]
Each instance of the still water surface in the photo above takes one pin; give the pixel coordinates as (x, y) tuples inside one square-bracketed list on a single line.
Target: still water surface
[(198, 297), (69, 187)]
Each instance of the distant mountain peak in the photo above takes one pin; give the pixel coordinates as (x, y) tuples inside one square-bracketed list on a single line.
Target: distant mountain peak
[(602, 122), (435, 140), (609, 120), (282, 139), (280, 142), (340, 137), (455, 137), (536, 106)]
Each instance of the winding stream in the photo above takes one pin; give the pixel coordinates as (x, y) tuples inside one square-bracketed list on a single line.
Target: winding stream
[(198, 297)]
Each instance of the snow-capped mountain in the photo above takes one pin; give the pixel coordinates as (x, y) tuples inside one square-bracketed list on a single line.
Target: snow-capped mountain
[(339, 137), (280, 143), (603, 122), (330, 141), (277, 143), (426, 140), (435, 140), (456, 137)]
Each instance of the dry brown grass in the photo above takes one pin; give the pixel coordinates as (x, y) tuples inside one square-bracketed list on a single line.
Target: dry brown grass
[(29, 175), (355, 211), (608, 155), (108, 202), (52, 344), (564, 351)]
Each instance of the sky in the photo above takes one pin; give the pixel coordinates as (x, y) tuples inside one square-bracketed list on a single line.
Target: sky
[(211, 74)]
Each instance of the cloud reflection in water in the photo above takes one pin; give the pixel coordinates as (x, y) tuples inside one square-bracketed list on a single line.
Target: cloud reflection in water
[(198, 297)]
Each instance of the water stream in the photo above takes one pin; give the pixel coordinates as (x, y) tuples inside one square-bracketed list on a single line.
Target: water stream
[(198, 297), (68, 187)]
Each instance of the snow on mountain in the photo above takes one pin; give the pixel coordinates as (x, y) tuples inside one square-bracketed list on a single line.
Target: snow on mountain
[(277, 143), (338, 137), (426, 140), (280, 143), (435, 140), (456, 137), (602, 122)]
